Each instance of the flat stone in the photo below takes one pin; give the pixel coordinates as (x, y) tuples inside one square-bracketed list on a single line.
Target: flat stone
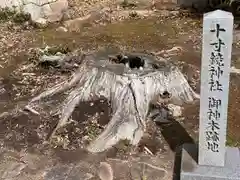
[(82, 170), (190, 170), (59, 172), (34, 161), (105, 171), (82, 176), (136, 170), (143, 170), (12, 170)]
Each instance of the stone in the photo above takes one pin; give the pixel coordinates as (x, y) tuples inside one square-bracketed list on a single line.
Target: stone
[(41, 23), (62, 29), (215, 73), (83, 170), (41, 11), (55, 10), (59, 172), (176, 111), (143, 170), (34, 10), (105, 171), (75, 25), (13, 170), (10, 164), (137, 170), (34, 161), (190, 170)]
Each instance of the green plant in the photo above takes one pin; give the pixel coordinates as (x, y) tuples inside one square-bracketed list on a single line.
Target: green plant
[(6, 13), (21, 17), (13, 14)]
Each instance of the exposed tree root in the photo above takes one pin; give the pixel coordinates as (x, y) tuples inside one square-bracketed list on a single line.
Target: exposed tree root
[(130, 92)]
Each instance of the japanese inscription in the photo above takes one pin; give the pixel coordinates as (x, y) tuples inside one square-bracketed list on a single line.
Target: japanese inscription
[(216, 70)]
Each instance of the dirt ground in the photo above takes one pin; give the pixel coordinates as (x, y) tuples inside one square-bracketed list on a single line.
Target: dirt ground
[(23, 136)]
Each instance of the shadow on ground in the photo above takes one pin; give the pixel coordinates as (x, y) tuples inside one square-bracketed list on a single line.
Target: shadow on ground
[(176, 135)]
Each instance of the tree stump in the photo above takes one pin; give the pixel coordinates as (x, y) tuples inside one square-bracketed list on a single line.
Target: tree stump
[(130, 83)]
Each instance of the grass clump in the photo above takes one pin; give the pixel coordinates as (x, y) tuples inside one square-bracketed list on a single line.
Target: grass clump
[(6, 14), (21, 17), (12, 14)]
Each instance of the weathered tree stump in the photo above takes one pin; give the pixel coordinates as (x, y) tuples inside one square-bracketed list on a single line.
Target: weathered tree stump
[(129, 87)]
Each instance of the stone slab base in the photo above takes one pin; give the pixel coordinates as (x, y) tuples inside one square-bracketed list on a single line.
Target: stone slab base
[(190, 170)]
